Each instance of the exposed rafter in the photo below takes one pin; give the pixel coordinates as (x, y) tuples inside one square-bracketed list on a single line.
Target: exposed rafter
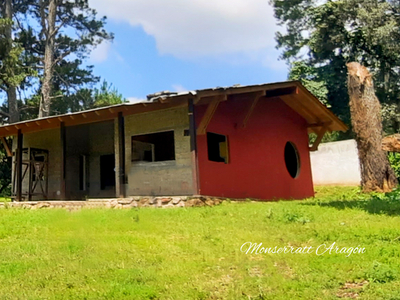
[(257, 97), (211, 109), (6, 146), (320, 135)]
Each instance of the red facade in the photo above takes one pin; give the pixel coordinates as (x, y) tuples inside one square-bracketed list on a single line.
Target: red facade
[(256, 167)]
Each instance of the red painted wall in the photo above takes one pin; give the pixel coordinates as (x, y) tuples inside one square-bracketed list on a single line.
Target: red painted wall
[(257, 165)]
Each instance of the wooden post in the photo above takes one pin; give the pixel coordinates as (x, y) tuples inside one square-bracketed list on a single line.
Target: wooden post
[(193, 146), (19, 166), (121, 152), (31, 165), (63, 160)]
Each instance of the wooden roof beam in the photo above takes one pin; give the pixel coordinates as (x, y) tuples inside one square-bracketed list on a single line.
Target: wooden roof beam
[(320, 135), (211, 109), (257, 97), (6, 146)]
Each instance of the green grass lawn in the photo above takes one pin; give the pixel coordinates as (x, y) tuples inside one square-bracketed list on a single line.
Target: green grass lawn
[(194, 253)]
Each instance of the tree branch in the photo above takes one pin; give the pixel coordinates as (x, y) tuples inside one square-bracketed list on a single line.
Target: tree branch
[(4, 114)]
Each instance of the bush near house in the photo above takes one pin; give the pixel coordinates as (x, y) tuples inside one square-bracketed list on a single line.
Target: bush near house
[(194, 253)]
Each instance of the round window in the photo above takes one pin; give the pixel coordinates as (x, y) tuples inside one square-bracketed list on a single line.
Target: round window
[(292, 160)]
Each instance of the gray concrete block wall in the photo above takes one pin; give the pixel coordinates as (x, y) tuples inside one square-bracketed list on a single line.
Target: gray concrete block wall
[(101, 142), (77, 143), (117, 154), (92, 140), (166, 177), (48, 140), (336, 163)]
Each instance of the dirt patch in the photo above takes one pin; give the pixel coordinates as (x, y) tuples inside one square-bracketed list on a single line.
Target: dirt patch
[(351, 289)]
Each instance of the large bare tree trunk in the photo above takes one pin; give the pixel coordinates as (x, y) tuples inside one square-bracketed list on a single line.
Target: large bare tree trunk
[(376, 173), (49, 28), (11, 89)]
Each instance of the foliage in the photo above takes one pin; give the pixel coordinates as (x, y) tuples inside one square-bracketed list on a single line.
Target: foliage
[(107, 95), (78, 31), (394, 160), (310, 79), (11, 67), (5, 173), (195, 253), (324, 36), (84, 99)]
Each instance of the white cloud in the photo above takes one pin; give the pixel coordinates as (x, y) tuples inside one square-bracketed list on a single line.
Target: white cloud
[(135, 99), (100, 53), (196, 28)]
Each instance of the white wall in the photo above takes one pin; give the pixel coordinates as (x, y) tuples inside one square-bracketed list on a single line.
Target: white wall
[(336, 163)]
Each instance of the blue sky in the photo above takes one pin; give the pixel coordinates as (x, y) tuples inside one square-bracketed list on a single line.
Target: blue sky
[(186, 45)]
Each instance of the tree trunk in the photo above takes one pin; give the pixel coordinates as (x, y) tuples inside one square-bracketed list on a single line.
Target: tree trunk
[(49, 32), (391, 143), (376, 173), (11, 89)]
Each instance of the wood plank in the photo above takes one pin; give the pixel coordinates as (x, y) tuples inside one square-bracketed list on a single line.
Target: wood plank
[(18, 171), (296, 105), (257, 97), (30, 178), (121, 151), (208, 115), (321, 134), (91, 117), (193, 147), (6, 146), (321, 110), (63, 160)]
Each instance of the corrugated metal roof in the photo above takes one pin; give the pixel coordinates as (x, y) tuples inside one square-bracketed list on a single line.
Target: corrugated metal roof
[(306, 104)]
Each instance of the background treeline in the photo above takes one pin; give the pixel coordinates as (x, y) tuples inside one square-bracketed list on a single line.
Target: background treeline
[(44, 47)]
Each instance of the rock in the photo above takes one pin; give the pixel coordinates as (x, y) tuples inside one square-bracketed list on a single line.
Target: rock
[(209, 202), (42, 205), (153, 201), (194, 202), (176, 200), (144, 201), (165, 200), (181, 204), (125, 201)]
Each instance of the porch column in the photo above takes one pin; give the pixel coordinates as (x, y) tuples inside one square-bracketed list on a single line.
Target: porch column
[(193, 147), (120, 157), (63, 160), (18, 169)]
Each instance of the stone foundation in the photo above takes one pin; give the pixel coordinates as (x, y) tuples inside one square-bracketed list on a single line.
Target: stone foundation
[(132, 202)]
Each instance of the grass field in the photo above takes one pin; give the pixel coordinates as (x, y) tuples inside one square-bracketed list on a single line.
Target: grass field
[(195, 253)]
